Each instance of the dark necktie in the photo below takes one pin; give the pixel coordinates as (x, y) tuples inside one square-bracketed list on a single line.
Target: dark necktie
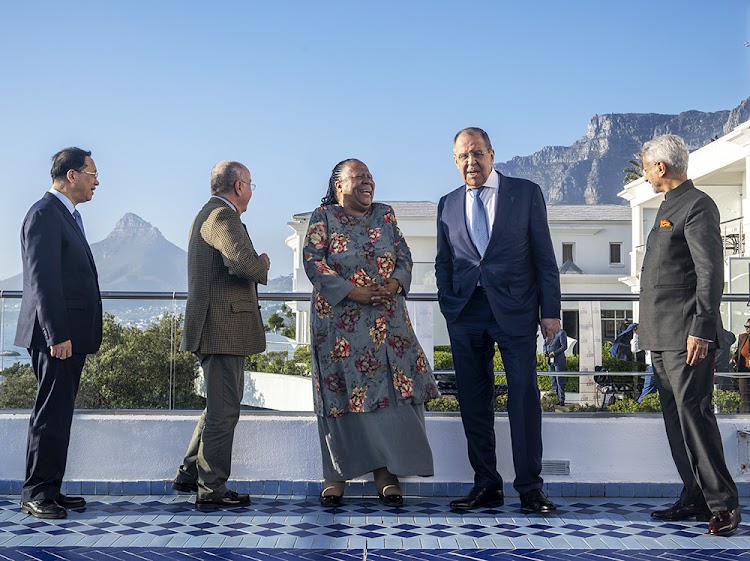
[(79, 221), (480, 233)]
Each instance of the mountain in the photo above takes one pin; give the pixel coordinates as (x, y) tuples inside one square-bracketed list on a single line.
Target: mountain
[(136, 256), (591, 170)]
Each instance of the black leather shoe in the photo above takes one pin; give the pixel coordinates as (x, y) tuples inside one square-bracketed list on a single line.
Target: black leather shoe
[(331, 501), (66, 501), (394, 499), (724, 522), (229, 500), (679, 511), (536, 501), (185, 486), (479, 497), (44, 509)]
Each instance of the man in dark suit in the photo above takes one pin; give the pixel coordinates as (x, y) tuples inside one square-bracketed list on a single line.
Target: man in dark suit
[(497, 281), (682, 280), (222, 325), (60, 322)]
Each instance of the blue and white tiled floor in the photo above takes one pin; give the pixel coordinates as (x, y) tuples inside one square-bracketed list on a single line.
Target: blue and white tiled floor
[(167, 528)]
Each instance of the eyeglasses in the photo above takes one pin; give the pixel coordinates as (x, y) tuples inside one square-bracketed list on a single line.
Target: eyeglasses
[(463, 156), (94, 173), (252, 185), (747, 327), (646, 170)]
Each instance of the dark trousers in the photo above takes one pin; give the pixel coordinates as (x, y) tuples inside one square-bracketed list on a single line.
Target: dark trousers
[(473, 336), (208, 460), (49, 427), (685, 393)]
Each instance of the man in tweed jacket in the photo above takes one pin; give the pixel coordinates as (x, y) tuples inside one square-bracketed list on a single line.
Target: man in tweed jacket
[(222, 325)]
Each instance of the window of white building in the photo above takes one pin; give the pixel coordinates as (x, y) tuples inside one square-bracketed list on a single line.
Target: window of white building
[(568, 252), (615, 253)]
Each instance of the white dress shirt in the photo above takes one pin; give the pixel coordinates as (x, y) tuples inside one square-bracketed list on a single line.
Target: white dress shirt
[(489, 199)]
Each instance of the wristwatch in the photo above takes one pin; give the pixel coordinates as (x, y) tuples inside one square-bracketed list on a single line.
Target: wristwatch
[(400, 287)]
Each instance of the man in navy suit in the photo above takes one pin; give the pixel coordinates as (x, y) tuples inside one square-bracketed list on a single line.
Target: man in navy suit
[(497, 282), (60, 322)]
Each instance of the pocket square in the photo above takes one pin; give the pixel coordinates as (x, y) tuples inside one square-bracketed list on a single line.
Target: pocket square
[(665, 224)]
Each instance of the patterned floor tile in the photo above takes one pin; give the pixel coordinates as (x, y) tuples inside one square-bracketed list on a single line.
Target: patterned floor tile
[(146, 524)]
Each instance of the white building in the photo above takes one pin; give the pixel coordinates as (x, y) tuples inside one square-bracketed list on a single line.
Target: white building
[(721, 170), (591, 244)]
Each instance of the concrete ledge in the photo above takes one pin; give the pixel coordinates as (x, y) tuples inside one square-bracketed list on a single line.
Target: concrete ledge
[(138, 450)]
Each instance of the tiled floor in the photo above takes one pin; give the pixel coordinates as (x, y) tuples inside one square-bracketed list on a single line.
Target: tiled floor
[(165, 528)]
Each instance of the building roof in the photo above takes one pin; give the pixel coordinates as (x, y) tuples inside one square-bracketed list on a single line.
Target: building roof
[(579, 213), (555, 213), (403, 209)]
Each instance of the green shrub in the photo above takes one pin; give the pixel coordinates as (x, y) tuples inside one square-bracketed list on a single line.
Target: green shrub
[(572, 364), (501, 402), (549, 401), (445, 403), (650, 404), (614, 365), (626, 405), (275, 363), (442, 348), (576, 408), (443, 360), (725, 401), (18, 387)]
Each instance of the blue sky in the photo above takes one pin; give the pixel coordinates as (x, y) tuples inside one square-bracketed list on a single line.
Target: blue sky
[(162, 90)]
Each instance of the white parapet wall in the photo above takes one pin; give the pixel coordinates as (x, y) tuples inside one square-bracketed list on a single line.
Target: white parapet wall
[(121, 446)]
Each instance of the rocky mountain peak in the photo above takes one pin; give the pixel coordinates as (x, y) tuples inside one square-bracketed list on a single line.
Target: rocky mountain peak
[(132, 226), (590, 171)]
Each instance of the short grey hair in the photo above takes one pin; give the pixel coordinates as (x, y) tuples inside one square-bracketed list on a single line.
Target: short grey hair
[(224, 176), (474, 131), (671, 150)]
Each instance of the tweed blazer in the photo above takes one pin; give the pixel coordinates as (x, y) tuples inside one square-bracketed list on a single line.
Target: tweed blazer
[(222, 315), (682, 278)]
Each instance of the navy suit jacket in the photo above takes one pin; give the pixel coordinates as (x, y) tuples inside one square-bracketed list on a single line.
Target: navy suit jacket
[(61, 298), (519, 271)]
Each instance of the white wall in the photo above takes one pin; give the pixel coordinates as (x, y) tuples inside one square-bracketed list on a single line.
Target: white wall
[(137, 447)]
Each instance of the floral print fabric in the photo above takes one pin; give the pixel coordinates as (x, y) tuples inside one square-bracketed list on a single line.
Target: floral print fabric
[(352, 343)]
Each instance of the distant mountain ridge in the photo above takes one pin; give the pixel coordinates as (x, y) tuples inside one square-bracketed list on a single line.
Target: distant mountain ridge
[(135, 256), (591, 170)]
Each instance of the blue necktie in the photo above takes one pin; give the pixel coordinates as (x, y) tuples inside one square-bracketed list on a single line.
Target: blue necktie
[(79, 221), (480, 233)]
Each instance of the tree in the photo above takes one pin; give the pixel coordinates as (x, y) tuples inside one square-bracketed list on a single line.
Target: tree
[(18, 387), (275, 322), (635, 170), (140, 369)]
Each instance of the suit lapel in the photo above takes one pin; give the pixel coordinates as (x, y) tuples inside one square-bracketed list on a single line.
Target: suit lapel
[(459, 218), (503, 209), (72, 221)]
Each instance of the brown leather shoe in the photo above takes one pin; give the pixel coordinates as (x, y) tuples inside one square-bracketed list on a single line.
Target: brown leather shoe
[(679, 511), (724, 522)]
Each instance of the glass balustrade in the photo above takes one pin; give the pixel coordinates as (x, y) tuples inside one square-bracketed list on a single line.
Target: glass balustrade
[(140, 366)]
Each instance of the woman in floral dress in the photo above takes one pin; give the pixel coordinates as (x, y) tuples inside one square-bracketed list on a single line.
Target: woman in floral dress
[(370, 375)]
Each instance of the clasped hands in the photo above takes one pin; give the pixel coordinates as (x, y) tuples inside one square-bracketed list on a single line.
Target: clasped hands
[(376, 294)]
